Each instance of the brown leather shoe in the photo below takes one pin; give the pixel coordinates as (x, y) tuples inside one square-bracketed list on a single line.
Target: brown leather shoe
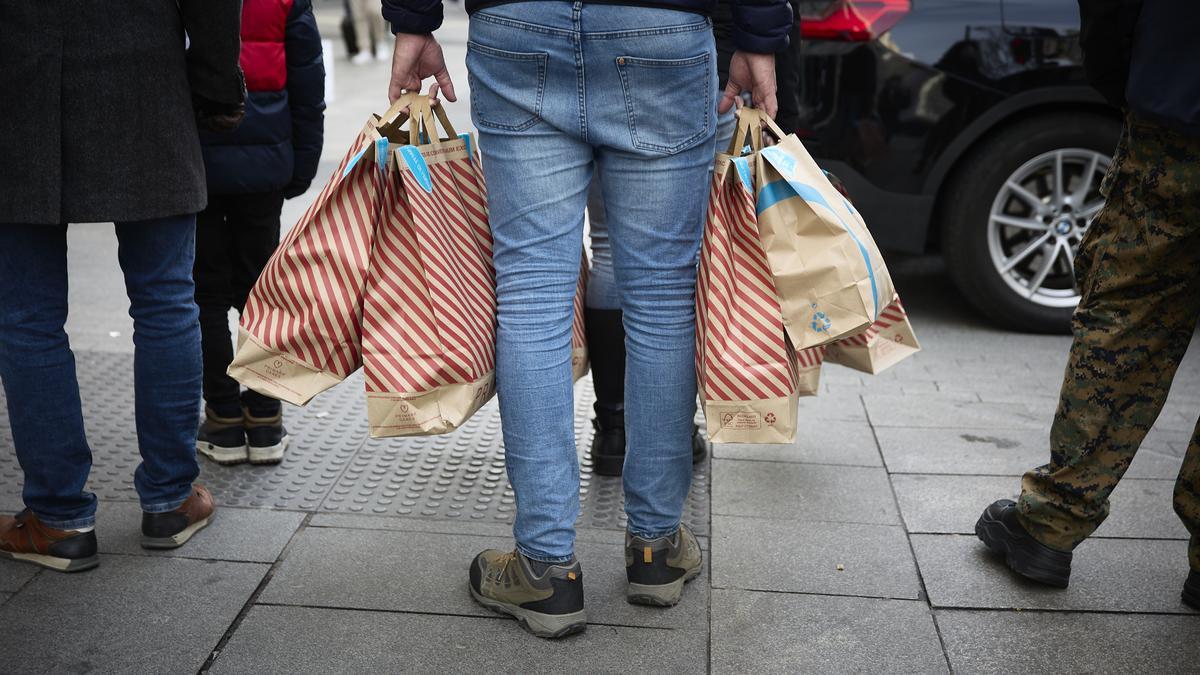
[(174, 528), (27, 539)]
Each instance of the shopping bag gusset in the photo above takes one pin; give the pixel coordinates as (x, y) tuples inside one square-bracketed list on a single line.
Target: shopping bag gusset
[(747, 370), (885, 343), (827, 269)]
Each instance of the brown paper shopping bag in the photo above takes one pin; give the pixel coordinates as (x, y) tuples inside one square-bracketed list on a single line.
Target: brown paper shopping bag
[(429, 305), (300, 330), (747, 370), (579, 348), (887, 342), (827, 269), (808, 370)]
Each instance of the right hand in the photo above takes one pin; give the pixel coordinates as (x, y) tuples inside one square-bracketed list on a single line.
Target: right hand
[(754, 73), (415, 58)]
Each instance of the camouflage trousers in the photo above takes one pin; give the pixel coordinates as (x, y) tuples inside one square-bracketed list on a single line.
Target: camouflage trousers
[(1138, 269)]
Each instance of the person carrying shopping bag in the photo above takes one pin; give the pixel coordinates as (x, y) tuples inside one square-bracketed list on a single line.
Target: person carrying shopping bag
[(559, 90)]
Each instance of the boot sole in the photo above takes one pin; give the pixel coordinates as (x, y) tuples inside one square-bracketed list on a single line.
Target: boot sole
[(1033, 564), (659, 595), (50, 562), (271, 454), (223, 455), (178, 539), (549, 626)]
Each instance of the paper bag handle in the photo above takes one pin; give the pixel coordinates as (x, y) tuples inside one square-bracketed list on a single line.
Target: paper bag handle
[(751, 124), (424, 115)]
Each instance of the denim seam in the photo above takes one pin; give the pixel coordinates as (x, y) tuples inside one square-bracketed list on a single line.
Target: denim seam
[(77, 524), (165, 507), (581, 68), (630, 109), (521, 25), (541, 58), (648, 32), (542, 559)]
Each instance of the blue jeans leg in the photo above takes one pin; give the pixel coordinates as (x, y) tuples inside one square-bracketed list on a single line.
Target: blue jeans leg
[(38, 371), (156, 257)]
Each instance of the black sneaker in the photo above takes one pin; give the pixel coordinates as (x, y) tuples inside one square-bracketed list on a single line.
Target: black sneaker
[(222, 439), (547, 600), (657, 569), (1191, 590), (999, 528), (266, 438)]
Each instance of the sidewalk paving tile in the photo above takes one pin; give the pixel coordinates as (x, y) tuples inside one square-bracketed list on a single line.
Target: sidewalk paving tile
[(1007, 452), (241, 535), (13, 575), (131, 614), (1141, 509), (784, 633), (874, 560), (347, 641), (813, 492), (421, 572), (848, 443), (1016, 642), (4, 597), (1117, 575), (832, 408), (945, 412)]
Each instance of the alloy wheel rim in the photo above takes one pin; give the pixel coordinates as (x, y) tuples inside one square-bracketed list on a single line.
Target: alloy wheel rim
[(1038, 219)]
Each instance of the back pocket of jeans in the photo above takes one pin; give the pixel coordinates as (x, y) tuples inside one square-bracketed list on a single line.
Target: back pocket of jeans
[(669, 101), (506, 87)]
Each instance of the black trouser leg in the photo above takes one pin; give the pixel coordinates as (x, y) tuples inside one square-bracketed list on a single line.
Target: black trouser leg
[(254, 226), (213, 274), (606, 350)]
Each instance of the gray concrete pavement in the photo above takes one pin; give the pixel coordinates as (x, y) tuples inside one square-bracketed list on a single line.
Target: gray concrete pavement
[(848, 551)]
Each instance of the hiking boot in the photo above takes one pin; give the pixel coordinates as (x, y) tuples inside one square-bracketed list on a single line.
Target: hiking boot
[(173, 529), (547, 600), (658, 568), (222, 439), (26, 539), (1191, 590), (1003, 533), (266, 439)]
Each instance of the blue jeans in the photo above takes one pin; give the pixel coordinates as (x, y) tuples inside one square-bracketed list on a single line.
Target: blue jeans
[(602, 285), (38, 368), (559, 90)]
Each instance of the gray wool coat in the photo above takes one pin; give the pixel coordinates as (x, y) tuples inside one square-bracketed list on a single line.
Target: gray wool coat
[(96, 105)]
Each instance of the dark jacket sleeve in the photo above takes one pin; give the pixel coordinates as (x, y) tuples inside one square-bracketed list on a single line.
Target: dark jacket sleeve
[(306, 94), (413, 16), (761, 26), (1106, 37), (214, 45)]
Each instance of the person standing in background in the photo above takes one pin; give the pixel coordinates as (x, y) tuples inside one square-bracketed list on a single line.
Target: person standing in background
[(98, 123), (271, 157), (370, 32)]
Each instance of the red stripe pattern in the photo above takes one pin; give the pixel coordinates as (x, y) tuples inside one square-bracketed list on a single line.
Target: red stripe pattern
[(890, 316), (306, 304), (742, 353), (429, 313), (579, 359)]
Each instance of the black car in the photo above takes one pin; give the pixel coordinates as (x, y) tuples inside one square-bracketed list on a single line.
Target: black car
[(965, 127)]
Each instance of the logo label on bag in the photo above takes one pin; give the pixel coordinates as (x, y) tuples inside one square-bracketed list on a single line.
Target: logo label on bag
[(780, 159), (353, 161), (416, 164), (743, 171), (381, 148), (821, 322), (742, 421)]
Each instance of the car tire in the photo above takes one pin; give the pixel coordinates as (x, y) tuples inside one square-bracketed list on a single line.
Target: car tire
[(972, 245)]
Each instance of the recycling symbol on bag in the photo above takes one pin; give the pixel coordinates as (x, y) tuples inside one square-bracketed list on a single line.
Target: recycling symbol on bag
[(821, 323), (770, 418)]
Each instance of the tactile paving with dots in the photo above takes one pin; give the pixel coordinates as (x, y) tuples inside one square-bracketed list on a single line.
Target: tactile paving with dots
[(331, 464), (461, 476)]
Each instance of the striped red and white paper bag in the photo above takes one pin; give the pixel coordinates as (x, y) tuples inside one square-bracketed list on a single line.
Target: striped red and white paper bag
[(747, 370), (885, 343), (808, 370), (429, 308), (300, 330), (579, 349)]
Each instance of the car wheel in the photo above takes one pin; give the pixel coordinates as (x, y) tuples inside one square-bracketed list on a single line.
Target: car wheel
[(1015, 213)]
